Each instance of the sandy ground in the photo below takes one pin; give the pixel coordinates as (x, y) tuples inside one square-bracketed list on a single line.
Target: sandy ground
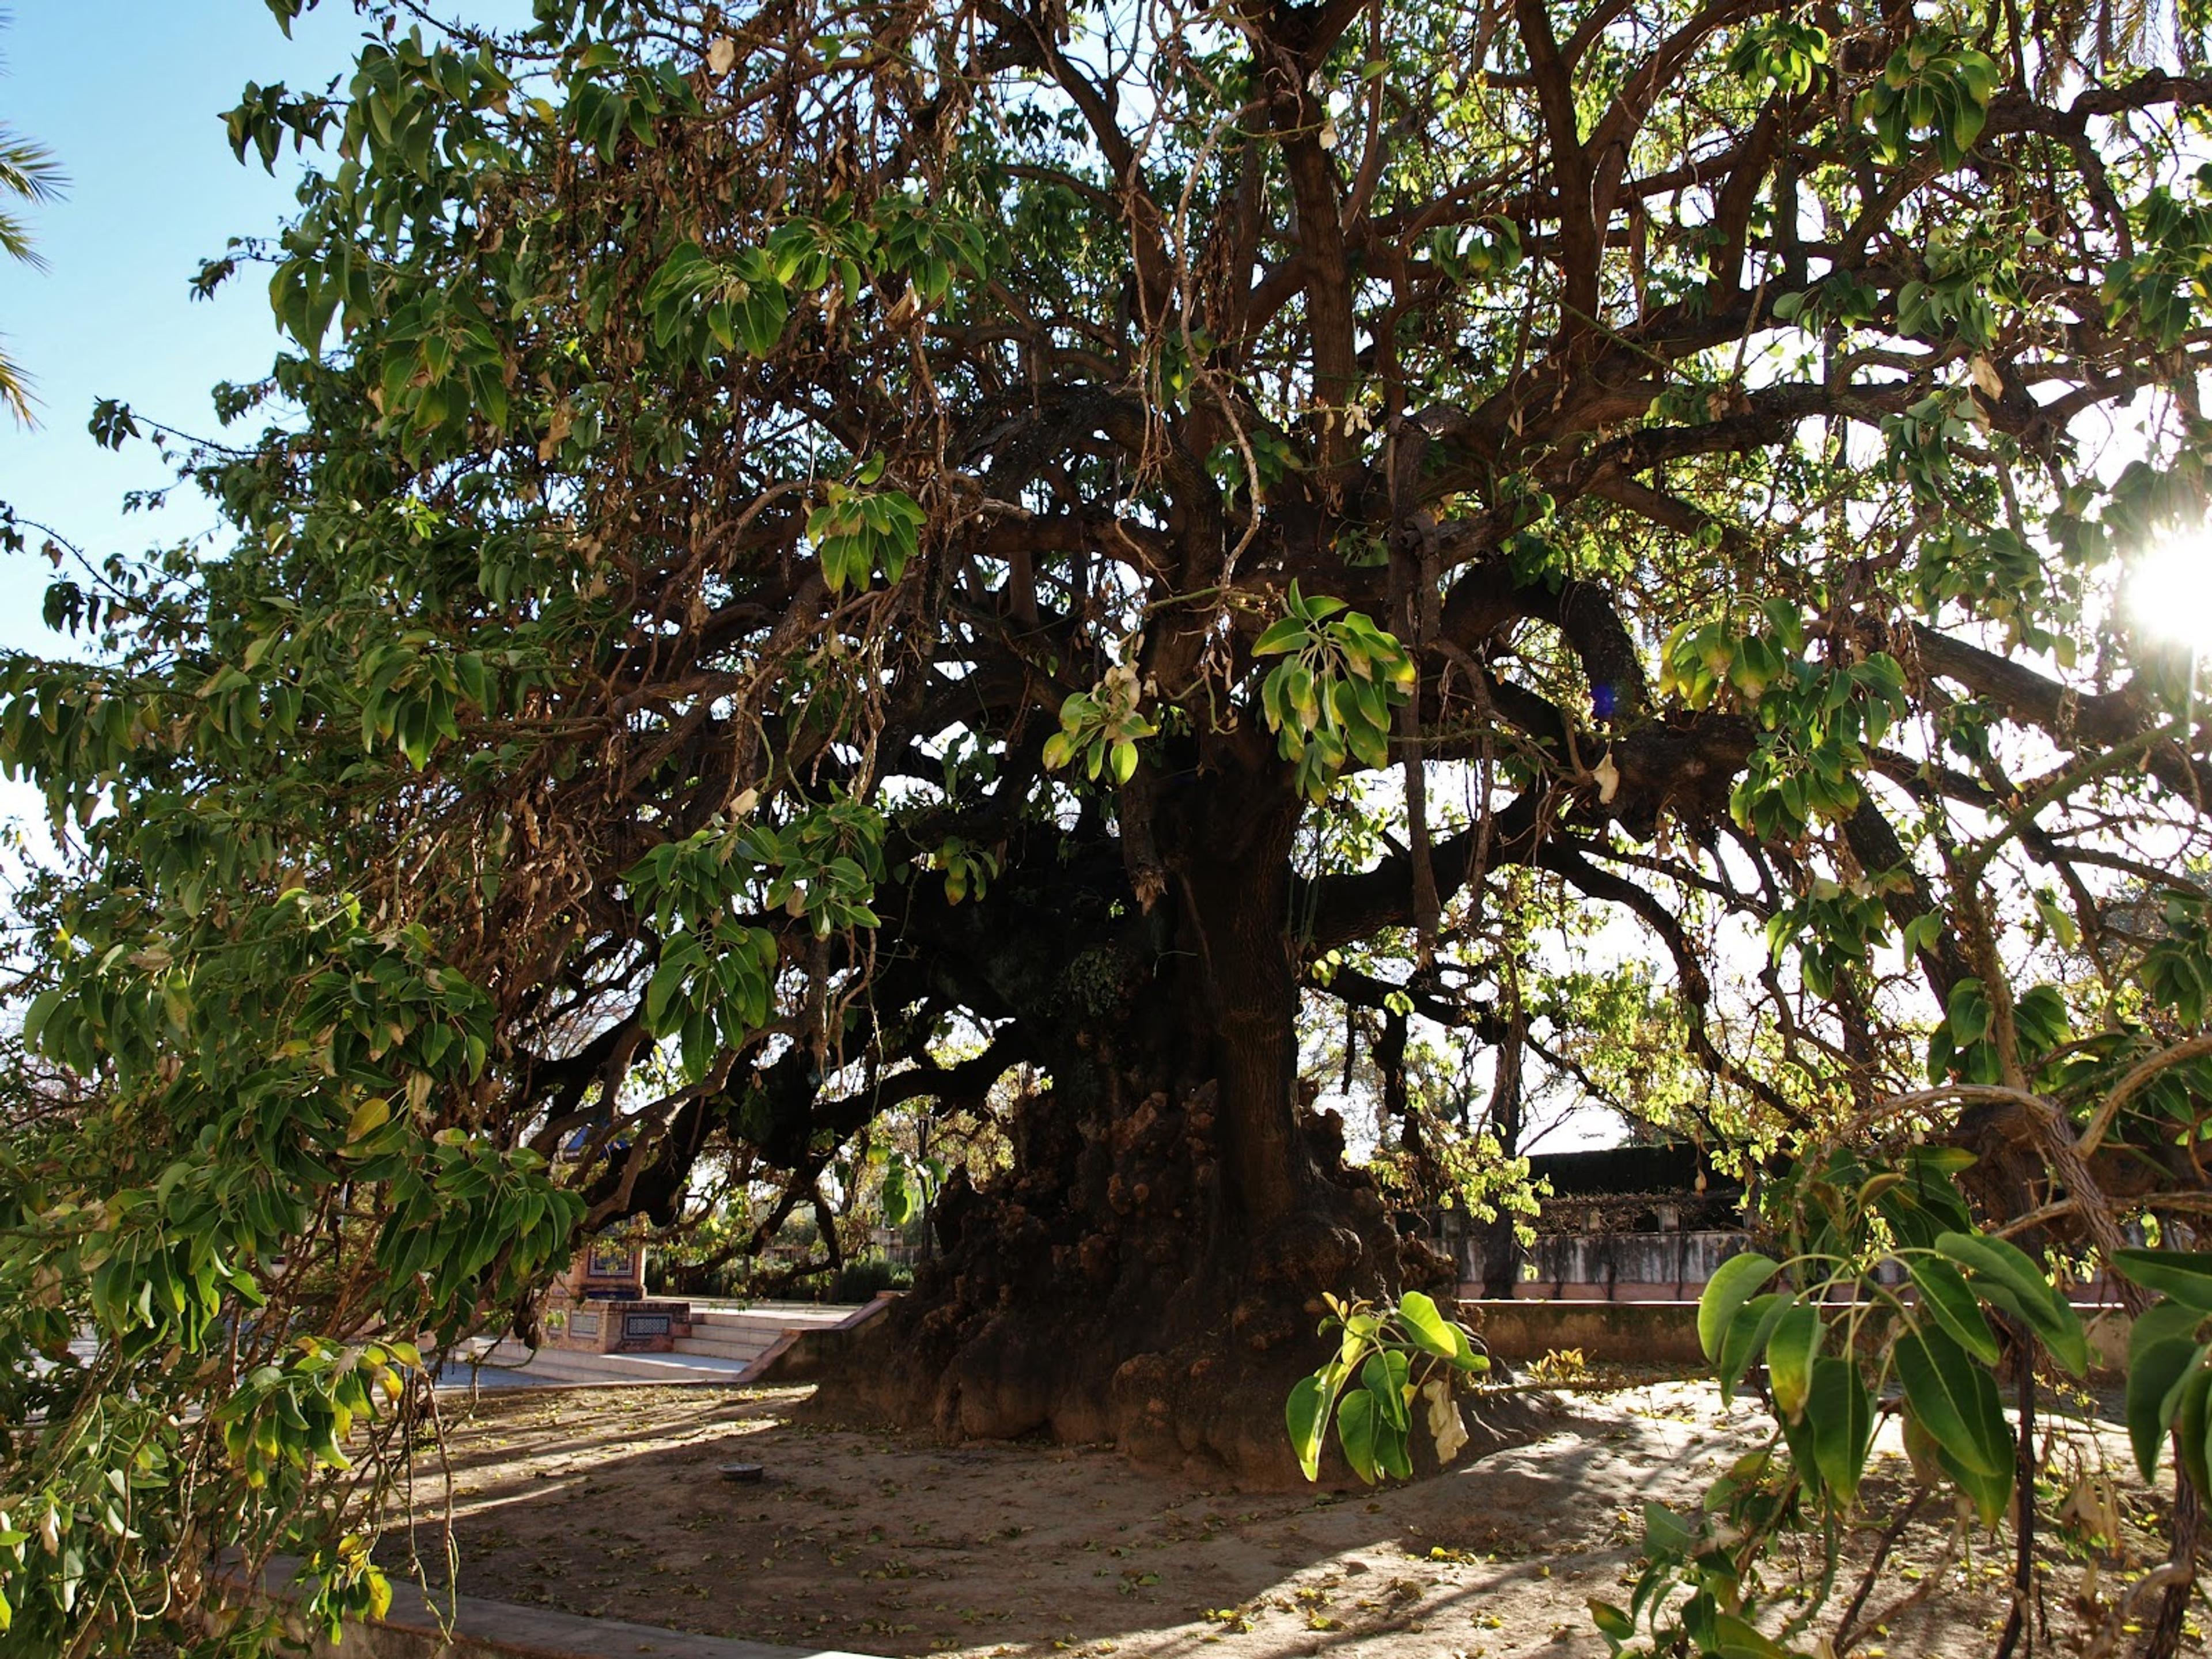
[(608, 1502)]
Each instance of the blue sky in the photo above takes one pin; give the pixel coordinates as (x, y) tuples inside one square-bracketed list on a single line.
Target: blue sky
[(127, 93)]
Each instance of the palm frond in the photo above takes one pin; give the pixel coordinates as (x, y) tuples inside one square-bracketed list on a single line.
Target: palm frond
[(29, 170), (15, 391), (15, 242), (2090, 35)]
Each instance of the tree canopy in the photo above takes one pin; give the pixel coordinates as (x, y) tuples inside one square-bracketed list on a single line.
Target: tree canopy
[(803, 557)]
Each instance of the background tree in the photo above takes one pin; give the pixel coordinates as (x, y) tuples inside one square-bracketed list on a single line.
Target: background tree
[(28, 174), (805, 556)]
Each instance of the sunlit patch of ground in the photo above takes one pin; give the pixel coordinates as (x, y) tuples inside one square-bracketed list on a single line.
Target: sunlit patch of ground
[(607, 1502)]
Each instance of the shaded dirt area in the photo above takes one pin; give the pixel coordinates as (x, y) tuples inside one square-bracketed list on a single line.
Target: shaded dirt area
[(606, 1502)]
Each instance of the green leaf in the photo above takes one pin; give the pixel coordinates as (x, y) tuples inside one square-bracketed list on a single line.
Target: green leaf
[(1969, 1013), (369, 1117), (1428, 1329), (40, 1010), (1955, 1400), (899, 1196), (1735, 1637), (2162, 1354), (1383, 1376), (1611, 1623), (1392, 1455), (2184, 1275), (1790, 1352), (1355, 1433), (1989, 1493), (1306, 1415), (1946, 1300), (1666, 1536), (2192, 1418), (1999, 1266), (660, 992), (1746, 1334), (1728, 1289), (1841, 1413)]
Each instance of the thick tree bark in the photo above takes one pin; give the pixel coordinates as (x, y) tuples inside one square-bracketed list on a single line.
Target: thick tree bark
[(1228, 851), (1150, 1270)]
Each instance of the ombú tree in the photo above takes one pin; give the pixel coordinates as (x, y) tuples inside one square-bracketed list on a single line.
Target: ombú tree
[(801, 557)]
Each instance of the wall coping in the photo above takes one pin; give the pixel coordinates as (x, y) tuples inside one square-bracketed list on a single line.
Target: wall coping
[(485, 1629)]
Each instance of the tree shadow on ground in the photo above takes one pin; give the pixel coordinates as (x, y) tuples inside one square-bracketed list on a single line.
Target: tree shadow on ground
[(607, 1502)]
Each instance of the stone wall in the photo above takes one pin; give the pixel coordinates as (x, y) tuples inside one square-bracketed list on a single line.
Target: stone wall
[(1640, 1333), (481, 1629), (1610, 1266), (645, 1325), (1665, 1333)]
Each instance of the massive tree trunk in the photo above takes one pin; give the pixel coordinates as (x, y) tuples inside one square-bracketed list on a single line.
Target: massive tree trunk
[(1150, 1269)]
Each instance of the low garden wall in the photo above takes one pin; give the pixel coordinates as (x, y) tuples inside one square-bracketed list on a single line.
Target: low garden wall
[(1653, 1333), (1639, 1333), (478, 1629)]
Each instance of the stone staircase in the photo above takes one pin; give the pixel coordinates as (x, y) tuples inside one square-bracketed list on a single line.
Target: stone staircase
[(508, 1364), (729, 1345), (743, 1337), (747, 1335)]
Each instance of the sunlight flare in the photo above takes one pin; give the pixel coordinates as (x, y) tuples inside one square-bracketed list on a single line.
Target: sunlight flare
[(2167, 591)]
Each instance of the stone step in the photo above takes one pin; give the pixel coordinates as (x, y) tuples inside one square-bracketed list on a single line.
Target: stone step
[(742, 1347), (715, 1319), (780, 1315), (715, 1340), (510, 1364), (728, 1331)]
